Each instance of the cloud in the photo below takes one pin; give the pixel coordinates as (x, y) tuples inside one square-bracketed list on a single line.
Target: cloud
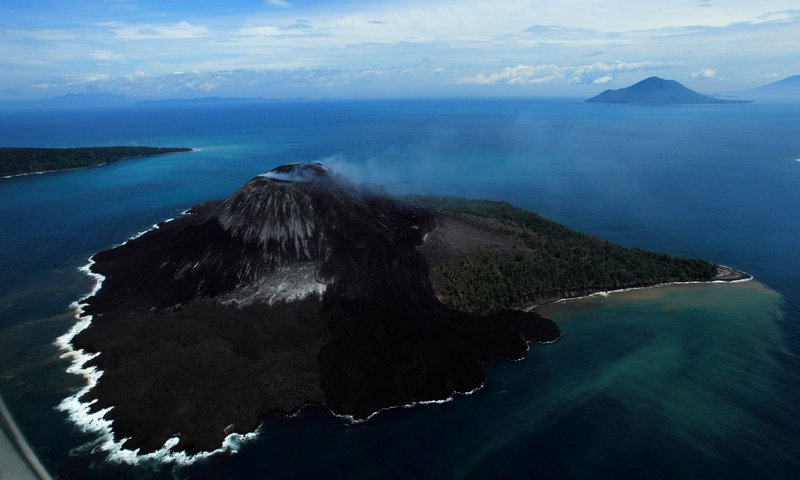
[(268, 82), (107, 56), (552, 43), (178, 30), (596, 53), (260, 31), (597, 72), (279, 3), (551, 31), (781, 16), (98, 77), (41, 34), (704, 73), (299, 24)]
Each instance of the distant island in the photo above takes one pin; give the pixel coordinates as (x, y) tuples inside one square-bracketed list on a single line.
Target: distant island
[(788, 87), (71, 100), (304, 288), (26, 160), (655, 90), (108, 100)]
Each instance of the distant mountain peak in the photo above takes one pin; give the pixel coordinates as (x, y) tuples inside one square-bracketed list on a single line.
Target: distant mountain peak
[(786, 87), (655, 79), (657, 90)]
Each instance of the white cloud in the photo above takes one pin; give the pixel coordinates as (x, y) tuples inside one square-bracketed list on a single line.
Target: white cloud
[(260, 31), (783, 16), (98, 77), (107, 56), (279, 3), (463, 41), (230, 82), (43, 34), (150, 31), (597, 72), (603, 79), (704, 73)]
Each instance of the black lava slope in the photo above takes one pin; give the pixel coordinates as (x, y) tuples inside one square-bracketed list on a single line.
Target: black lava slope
[(300, 288)]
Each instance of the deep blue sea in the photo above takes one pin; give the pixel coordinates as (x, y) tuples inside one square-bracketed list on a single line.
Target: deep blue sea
[(677, 382)]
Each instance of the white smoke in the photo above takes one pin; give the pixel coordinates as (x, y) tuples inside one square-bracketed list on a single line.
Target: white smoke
[(297, 172)]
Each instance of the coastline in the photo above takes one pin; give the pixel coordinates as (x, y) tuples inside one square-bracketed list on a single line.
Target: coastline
[(736, 276), (355, 421), (80, 413), (52, 171), (97, 165)]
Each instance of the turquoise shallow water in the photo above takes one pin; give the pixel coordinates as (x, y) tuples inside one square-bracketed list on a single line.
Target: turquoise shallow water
[(677, 382)]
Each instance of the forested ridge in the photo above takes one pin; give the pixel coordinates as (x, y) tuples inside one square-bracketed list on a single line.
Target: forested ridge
[(19, 160), (547, 258)]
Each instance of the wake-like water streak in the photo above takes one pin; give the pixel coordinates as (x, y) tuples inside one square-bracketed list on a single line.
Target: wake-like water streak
[(79, 412)]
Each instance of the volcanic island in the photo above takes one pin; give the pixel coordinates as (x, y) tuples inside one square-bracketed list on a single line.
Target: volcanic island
[(304, 288), (655, 91)]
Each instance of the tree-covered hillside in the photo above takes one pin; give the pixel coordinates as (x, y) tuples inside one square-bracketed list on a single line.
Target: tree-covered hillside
[(19, 160), (543, 260)]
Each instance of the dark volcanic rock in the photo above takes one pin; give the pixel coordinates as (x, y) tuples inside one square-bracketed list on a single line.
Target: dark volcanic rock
[(657, 90), (300, 288)]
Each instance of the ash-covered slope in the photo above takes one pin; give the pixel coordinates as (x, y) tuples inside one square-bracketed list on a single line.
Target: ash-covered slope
[(301, 288)]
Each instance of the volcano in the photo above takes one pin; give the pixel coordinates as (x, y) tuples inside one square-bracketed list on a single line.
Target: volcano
[(304, 288), (655, 90), (300, 288)]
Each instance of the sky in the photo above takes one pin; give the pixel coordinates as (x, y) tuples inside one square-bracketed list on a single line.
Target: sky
[(382, 48)]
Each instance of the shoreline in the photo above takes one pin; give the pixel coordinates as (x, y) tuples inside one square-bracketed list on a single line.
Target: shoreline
[(740, 277), (80, 415), (103, 164), (41, 172), (79, 412)]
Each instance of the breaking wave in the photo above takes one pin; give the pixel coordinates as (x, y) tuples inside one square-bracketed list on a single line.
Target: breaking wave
[(80, 413)]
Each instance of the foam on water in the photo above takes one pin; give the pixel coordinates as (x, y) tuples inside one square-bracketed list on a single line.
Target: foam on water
[(80, 413), (353, 420)]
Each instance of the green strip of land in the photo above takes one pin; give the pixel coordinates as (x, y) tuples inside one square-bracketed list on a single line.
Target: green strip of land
[(487, 256), (23, 160)]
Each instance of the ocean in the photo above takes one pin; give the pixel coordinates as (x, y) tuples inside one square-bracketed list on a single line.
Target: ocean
[(673, 382)]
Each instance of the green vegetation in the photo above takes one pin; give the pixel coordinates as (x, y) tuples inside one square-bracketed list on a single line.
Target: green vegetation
[(545, 261), (16, 161)]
